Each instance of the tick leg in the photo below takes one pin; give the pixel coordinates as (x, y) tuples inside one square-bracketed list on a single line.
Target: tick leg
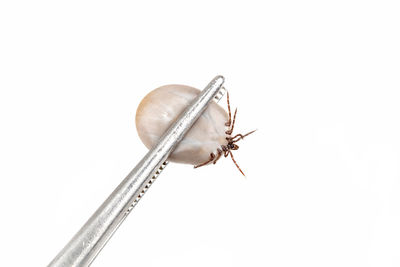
[(228, 123), (238, 135), (212, 157), (218, 155), (241, 136), (234, 161), (226, 153), (229, 132), (225, 150)]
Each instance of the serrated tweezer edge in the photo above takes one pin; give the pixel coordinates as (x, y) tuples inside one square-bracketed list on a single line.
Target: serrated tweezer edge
[(217, 98)]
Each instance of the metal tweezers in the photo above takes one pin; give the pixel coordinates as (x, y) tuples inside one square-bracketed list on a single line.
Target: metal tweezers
[(83, 248)]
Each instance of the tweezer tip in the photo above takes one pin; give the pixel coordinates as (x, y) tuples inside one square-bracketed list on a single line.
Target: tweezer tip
[(220, 79)]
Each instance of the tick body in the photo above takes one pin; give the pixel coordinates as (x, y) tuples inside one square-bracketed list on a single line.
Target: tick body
[(207, 140)]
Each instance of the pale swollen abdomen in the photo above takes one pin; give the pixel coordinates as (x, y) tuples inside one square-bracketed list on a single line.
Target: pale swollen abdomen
[(161, 107)]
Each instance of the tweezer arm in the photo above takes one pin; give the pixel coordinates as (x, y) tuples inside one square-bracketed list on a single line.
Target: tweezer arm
[(94, 234)]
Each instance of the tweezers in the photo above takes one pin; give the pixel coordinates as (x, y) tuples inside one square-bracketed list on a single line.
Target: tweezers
[(83, 248)]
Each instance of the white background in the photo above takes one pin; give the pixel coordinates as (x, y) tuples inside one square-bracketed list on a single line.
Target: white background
[(318, 79)]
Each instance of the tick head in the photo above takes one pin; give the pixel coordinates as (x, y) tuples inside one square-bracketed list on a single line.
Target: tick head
[(233, 146)]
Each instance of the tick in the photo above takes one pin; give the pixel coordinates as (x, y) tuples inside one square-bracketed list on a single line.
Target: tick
[(208, 139)]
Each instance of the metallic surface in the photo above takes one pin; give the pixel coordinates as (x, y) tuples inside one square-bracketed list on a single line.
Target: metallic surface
[(91, 238)]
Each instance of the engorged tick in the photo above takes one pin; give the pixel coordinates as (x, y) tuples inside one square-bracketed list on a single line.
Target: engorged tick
[(208, 139)]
